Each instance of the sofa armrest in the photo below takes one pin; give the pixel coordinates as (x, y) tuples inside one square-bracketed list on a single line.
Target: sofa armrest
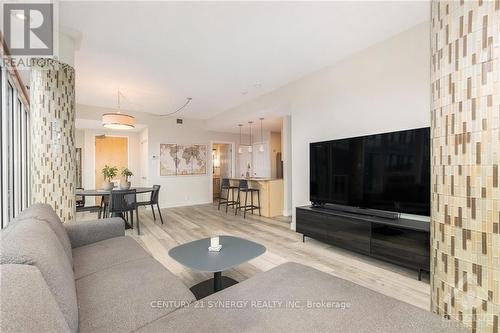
[(87, 232)]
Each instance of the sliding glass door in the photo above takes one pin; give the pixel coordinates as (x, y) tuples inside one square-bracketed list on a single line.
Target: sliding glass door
[(14, 150)]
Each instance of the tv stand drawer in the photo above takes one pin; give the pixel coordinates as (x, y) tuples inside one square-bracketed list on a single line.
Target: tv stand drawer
[(349, 234), (407, 247), (334, 229), (311, 224)]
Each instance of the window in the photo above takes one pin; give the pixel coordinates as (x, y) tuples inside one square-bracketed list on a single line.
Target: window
[(1, 149), (25, 156), (9, 160), (14, 150)]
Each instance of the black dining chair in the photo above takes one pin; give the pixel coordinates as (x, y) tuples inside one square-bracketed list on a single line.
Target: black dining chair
[(103, 207), (153, 201), (80, 204), (122, 203), (80, 199)]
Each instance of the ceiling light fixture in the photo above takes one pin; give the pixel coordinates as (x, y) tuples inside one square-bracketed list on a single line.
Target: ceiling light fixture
[(240, 150), (250, 146), (118, 120), (261, 147)]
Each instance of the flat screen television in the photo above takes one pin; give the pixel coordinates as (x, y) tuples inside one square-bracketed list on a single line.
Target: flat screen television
[(389, 171)]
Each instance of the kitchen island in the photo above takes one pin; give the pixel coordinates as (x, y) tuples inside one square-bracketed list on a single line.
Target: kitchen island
[(271, 195)]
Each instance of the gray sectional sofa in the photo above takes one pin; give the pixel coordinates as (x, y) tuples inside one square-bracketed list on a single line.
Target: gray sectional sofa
[(89, 277)]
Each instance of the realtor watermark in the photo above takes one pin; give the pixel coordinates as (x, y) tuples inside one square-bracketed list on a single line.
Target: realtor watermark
[(254, 304), (28, 30)]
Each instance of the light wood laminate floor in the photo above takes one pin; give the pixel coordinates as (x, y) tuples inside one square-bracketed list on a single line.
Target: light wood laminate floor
[(184, 224)]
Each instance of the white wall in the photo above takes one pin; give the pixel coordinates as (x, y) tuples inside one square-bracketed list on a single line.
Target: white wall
[(144, 156), (380, 89), (182, 190), (286, 148), (175, 190)]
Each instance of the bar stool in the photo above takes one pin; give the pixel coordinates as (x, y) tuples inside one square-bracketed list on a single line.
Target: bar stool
[(243, 187), (226, 185)]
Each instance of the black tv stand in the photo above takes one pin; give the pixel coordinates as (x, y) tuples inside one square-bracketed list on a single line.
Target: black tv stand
[(397, 240)]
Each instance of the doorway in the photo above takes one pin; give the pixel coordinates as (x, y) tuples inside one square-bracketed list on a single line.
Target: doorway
[(222, 165), (112, 151)]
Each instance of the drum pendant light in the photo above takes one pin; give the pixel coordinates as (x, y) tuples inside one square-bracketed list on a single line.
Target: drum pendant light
[(118, 120)]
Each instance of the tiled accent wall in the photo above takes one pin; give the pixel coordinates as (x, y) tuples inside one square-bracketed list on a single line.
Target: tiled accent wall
[(465, 123), (52, 112)]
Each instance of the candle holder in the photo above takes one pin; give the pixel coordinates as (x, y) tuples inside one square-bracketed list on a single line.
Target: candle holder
[(214, 244)]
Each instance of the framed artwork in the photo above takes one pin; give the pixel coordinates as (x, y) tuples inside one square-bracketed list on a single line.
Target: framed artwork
[(182, 160)]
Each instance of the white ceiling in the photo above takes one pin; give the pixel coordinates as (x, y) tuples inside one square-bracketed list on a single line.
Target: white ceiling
[(159, 53)]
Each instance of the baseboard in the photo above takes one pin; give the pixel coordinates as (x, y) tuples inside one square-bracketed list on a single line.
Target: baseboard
[(183, 204)]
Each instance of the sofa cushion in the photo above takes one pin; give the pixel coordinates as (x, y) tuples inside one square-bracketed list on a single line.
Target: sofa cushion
[(338, 306), (33, 243), (83, 233), (26, 303), (119, 298), (45, 213), (95, 257)]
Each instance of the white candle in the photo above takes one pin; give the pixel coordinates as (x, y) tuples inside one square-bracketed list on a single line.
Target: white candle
[(214, 241)]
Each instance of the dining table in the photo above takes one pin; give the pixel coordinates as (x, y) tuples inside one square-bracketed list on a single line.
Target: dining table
[(102, 193)]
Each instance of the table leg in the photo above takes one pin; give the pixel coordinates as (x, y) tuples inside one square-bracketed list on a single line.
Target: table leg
[(217, 281), (210, 286)]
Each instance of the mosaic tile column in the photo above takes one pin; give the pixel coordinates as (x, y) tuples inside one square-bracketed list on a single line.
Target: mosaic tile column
[(52, 112), (465, 122)]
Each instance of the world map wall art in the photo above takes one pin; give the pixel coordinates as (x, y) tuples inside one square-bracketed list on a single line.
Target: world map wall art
[(182, 160)]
